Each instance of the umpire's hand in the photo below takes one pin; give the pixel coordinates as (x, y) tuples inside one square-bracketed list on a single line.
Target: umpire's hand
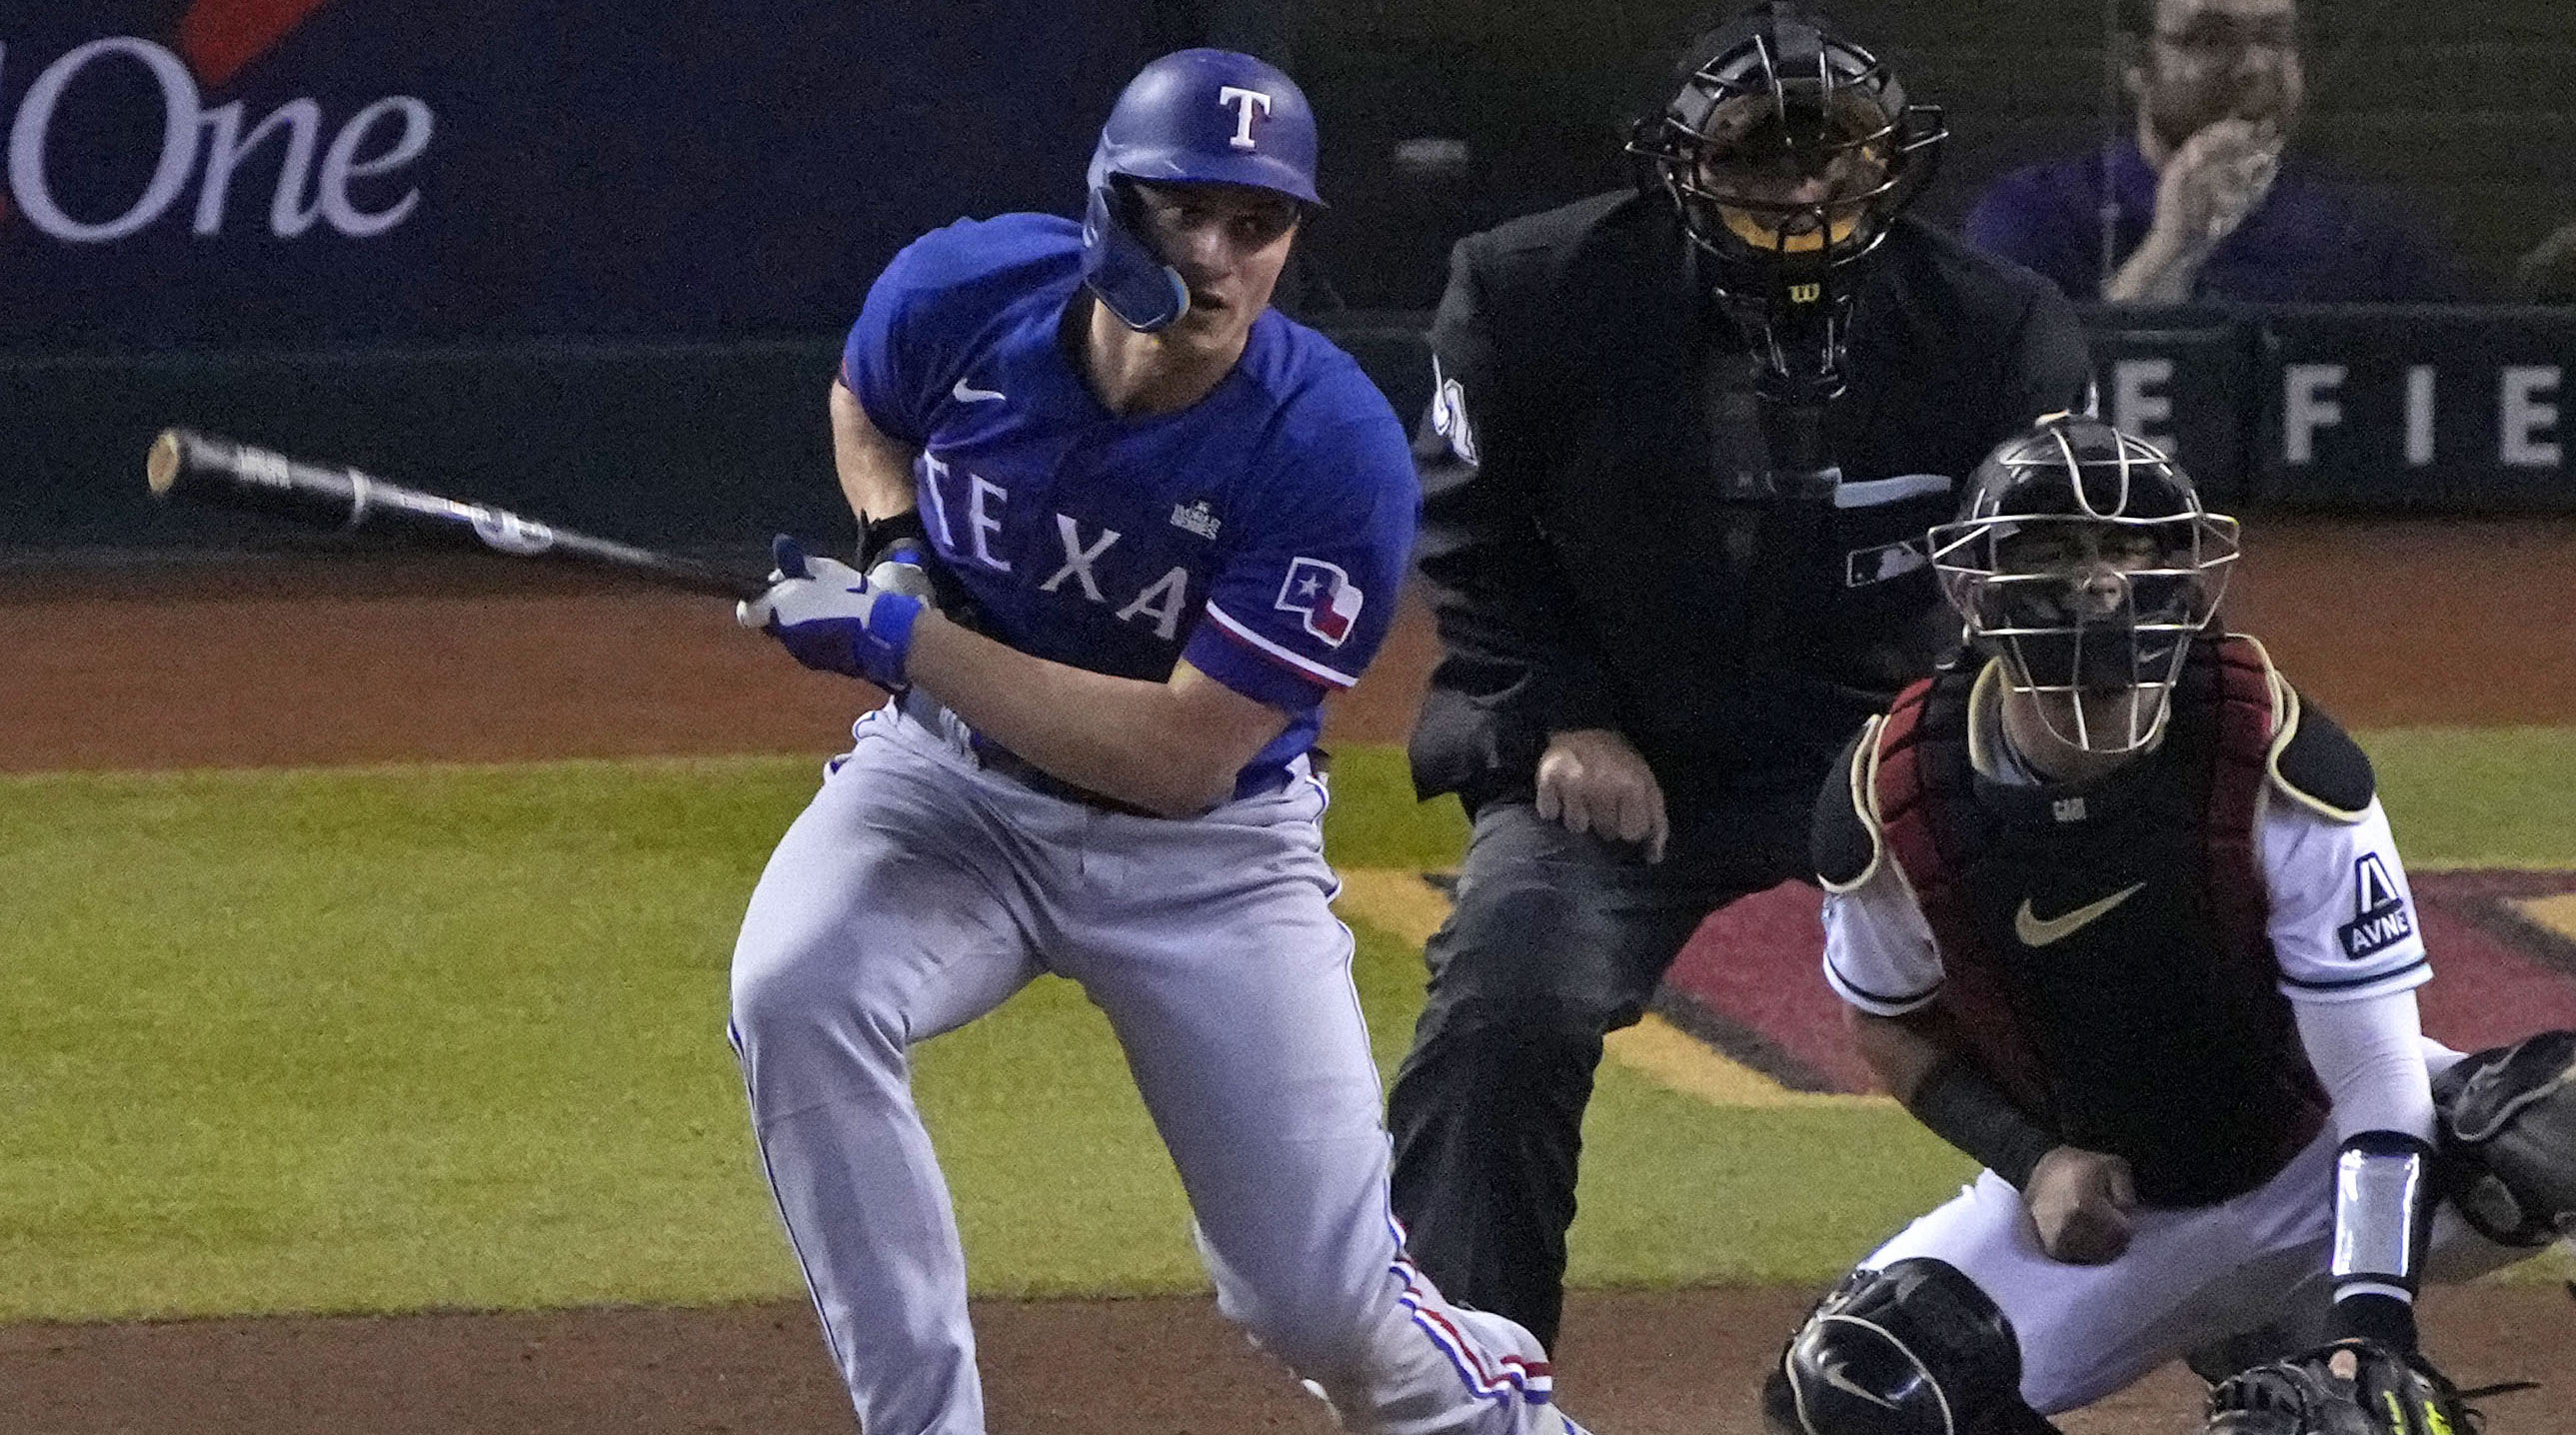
[(1593, 781), (2081, 1200)]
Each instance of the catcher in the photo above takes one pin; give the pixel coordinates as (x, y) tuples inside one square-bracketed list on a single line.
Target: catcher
[(2118, 914)]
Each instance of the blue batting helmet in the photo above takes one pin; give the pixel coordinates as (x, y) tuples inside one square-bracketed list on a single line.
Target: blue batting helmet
[(1191, 117)]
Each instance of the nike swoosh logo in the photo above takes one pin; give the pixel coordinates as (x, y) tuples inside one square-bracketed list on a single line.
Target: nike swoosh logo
[(2036, 932), (1834, 1377), (966, 393)]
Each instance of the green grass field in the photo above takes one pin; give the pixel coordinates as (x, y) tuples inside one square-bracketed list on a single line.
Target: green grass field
[(438, 1037)]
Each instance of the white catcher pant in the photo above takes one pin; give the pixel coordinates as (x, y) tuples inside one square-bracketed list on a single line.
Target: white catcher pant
[(2188, 1277), (917, 893)]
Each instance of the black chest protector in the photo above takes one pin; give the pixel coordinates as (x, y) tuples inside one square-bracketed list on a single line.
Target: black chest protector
[(2104, 946)]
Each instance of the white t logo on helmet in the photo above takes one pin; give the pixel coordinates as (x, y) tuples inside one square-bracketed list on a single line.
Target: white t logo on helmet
[(1244, 102)]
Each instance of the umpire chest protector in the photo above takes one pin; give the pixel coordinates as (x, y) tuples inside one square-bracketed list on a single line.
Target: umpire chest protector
[(2104, 945)]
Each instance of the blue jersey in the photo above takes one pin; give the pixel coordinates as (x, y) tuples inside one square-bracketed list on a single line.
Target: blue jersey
[(1261, 533)]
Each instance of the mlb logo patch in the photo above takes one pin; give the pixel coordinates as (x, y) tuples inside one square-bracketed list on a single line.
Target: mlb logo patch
[(1325, 595)]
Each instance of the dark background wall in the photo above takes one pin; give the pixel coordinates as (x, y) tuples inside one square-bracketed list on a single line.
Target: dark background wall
[(2462, 110), (739, 168), (638, 229)]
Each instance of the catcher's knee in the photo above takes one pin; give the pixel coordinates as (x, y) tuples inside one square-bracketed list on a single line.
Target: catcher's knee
[(2508, 1127), (1915, 1349)]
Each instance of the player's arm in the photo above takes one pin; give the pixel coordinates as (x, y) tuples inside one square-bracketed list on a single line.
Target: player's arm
[(1505, 612), (1297, 607), (1504, 608), (875, 468), (2080, 1201), (1881, 959), (2368, 1054), (1171, 747), (894, 372), (2342, 925)]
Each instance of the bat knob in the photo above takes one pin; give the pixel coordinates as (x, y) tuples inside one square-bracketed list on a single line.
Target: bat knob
[(161, 464)]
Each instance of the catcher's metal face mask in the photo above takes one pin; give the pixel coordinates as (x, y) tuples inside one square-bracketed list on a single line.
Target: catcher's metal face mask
[(2082, 558), (1787, 152)]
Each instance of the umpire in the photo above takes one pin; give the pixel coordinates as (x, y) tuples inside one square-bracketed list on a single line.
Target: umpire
[(1684, 444)]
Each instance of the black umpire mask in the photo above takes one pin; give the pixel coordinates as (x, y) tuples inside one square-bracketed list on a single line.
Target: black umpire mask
[(1788, 152)]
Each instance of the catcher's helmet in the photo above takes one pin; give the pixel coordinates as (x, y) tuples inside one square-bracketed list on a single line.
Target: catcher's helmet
[(1191, 117), (1788, 151), (2083, 558)]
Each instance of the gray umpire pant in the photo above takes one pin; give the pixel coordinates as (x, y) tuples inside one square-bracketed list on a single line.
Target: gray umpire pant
[(1557, 940)]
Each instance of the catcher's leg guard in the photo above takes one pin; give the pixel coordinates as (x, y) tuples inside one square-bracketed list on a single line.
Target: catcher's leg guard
[(2508, 1127), (1915, 1349)]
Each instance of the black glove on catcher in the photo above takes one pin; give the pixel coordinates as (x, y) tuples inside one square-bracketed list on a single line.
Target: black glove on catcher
[(2351, 1387), (2508, 1128)]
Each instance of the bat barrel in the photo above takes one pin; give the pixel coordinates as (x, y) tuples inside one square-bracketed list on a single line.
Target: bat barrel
[(201, 467)]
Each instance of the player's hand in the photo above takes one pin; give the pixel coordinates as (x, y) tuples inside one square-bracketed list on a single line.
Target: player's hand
[(832, 619), (2218, 177), (2081, 1201), (1593, 781)]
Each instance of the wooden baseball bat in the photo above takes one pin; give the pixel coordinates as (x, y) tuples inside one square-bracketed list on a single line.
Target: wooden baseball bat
[(229, 474)]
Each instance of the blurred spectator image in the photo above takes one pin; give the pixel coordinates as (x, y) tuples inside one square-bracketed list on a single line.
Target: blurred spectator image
[(2207, 198)]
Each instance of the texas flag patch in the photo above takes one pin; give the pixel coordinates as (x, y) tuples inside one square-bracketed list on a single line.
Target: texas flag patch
[(1326, 596)]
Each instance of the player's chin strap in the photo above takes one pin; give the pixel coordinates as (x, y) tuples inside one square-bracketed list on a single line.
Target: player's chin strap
[(2383, 1212)]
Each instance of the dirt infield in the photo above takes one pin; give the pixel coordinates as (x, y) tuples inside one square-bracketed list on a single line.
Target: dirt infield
[(1672, 1363), (313, 662)]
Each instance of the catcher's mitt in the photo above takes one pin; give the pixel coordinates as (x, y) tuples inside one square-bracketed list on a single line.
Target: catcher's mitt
[(2351, 1387), (2508, 1124)]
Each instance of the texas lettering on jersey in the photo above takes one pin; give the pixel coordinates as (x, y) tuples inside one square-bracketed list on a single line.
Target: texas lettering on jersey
[(1241, 534), (983, 504)]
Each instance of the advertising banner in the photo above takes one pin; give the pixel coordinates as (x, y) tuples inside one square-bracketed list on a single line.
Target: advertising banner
[(2173, 378), (2424, 408), (284, 173), (2440, 409)]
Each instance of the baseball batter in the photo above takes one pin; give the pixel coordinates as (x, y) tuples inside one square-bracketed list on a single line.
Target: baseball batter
[(1179, 520), (2118, 914)]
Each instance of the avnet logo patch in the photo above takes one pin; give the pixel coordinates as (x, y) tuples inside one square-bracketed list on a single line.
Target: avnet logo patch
[(2381, 918)]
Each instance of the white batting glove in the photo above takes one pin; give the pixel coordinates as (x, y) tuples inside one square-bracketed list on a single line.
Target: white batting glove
[(831, 618)]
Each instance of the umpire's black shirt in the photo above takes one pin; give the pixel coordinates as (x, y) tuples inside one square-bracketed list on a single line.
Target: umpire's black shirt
[(1587, 533)]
